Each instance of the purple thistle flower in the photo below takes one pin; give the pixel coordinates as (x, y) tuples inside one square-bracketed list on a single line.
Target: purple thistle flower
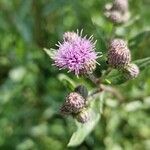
[(76, 53)]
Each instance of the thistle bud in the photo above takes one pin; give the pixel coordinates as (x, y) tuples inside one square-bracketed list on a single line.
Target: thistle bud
[(82, 90), (73, 104), (114, 16), (120, 5), (131, 71), (83, 116), (117, 43), (118, 54), (117, 12), (70, 36)]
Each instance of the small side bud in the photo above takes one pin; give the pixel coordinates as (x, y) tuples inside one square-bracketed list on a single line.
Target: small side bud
[(83, 116), (118, 54), (131, 71), (73, 104), (82, 90)]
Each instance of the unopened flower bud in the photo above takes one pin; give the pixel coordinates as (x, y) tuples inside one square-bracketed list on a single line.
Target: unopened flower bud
[(117, 12), (82, 90), (118, 54), (73, 104), (83, 116), (117, 43), (131, 71), (114, 16), (120, 5), (70, 36)]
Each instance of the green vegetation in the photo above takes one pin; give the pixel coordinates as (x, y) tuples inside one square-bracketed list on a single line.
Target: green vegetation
[(32, 90)]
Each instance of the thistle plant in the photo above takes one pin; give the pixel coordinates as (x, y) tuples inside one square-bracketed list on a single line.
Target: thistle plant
[(78, 54)]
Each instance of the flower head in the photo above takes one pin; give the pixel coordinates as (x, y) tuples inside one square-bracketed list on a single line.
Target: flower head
[(118, 54), (73, 104), (76, 53)]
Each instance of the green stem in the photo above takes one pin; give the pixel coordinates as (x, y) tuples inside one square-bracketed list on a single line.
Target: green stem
[(94, 79), (108, 89), (112, 34)]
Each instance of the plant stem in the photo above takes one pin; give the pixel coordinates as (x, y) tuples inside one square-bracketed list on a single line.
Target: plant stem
[(94, 79), (109, 89), (113, 91), (112, 34)]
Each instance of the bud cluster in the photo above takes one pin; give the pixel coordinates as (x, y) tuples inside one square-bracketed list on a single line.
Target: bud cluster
[(119, 57), (117, 12), (75, 105)]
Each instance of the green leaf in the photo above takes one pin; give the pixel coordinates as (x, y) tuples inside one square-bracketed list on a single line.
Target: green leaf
[(83, 130), (139, 38), (140, 44), (67, 82), (115, 77), (50, 52), (143, 63)]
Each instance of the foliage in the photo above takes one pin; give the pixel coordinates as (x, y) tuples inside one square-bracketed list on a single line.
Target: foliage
[(32, 90)]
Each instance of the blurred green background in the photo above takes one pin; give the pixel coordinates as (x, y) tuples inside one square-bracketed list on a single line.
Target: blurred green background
[(31, 93)]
